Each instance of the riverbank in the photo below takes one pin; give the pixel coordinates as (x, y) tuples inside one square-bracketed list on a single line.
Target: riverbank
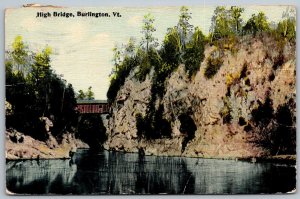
[(19, 146)]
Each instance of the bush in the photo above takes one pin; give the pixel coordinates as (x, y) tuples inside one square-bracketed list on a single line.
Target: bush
[(38, 93), (256, 24), (287, 29), (212, 67), (171, 51), (146, 62), (118, 80), (194, 53)]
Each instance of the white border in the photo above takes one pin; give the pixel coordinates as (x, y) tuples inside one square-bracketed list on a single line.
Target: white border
[(129, 3)]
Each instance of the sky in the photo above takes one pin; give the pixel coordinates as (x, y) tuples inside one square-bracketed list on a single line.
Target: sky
[(82, 46)]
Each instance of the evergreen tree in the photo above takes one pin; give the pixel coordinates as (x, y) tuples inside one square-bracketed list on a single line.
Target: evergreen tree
[(148, 41)]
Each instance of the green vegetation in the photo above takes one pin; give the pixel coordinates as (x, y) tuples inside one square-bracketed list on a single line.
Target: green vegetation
[(122, 68), (194, 53), (88, 95), (34, 91), (257, 24), (185, 44), (213, 65)]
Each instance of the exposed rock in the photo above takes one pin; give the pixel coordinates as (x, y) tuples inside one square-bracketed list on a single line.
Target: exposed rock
[(217, 105), (20, 146)]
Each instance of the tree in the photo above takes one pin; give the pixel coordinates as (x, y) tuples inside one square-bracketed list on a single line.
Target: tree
[(226, 22), (90, 94), (237, 21), (38, 93), (256, 24), (171, 49), (20, 55), (220, 23), (194, 53), (117, 52), (81, 95), (130, 48), (287, 27), (148, 29), (184, 27)]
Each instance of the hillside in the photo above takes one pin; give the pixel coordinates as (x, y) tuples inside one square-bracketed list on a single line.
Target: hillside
[(245, 108)]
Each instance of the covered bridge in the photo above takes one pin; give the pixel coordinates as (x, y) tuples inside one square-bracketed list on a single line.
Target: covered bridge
[(92, 106)]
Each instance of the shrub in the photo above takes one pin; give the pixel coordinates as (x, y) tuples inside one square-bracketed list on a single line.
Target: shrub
[(117, 81), (212, 67), (171, 50), (256, 24), (287, 29), (232, 78), (194, 53)]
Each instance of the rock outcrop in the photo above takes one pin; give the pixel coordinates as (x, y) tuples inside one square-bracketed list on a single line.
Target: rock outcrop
[(257, 80), (20, 146)]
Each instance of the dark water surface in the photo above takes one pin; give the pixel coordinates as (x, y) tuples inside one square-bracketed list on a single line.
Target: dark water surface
[(127, 173)]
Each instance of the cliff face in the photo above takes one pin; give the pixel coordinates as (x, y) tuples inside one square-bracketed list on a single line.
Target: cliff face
[(247, 109)]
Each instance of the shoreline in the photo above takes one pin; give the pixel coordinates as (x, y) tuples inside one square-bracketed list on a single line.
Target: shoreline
[(290, 160)]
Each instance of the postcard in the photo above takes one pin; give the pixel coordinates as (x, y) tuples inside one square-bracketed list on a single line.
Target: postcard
[(150, 100)]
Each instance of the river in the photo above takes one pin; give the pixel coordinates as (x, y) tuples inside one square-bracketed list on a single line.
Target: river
[(109, 172)]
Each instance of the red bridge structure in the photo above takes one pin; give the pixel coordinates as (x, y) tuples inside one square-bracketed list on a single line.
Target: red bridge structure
[(92, 106)]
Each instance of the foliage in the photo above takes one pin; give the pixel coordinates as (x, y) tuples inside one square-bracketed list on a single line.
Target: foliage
[(226, 23), (146, 61), (183, 44), (236, 19), (88, 95), (20, 56), (220, 24), (256, 24), (213, 65), (184, 27), (122, 68), (194, 53), (287, 29), (38, 93), (171, 51), (148, 29)]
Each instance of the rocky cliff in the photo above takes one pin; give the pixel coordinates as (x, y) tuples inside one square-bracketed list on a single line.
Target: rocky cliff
[(247, 109), (21, 146)]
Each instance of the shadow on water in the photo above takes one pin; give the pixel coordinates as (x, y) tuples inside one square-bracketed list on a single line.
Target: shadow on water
[(129, 173)]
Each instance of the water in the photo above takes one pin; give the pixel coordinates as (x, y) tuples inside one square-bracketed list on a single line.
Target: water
[(128, 173)]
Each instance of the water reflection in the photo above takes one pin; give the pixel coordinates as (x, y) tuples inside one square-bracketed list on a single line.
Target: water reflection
[(128, 173)]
